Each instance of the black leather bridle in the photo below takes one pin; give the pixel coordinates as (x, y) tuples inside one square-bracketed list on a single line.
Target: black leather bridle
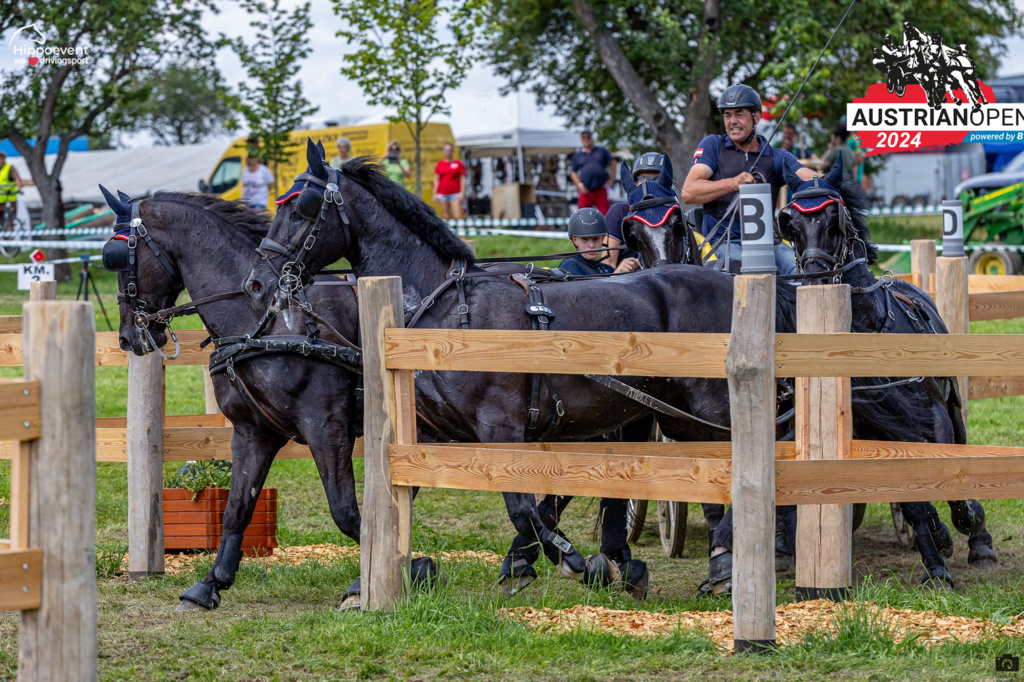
[(834, 264)]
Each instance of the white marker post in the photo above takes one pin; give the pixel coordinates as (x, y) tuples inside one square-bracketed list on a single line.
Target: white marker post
[(952, 228), (756, 229)]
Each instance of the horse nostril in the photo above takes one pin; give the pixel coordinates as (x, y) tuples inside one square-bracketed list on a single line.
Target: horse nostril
[(254, 286), (123, 343)]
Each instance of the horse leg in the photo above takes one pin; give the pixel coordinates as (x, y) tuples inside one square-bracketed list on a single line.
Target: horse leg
[(517, 569), (522, 510), (969, 519), (925, 521), (252, 452), (616, 562)]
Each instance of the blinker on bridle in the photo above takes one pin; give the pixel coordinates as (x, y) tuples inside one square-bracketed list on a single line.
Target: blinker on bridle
[(649, 200), (834, 263)]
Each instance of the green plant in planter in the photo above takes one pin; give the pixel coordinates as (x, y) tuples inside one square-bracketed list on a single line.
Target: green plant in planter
[(195, 476)]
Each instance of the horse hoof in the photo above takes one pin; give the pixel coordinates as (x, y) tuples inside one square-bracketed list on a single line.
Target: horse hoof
[(424, 574), (516, 574), (938, 580), (601, 572), (719, 580), (185, 605), (636, 579), (572, 566), (510, 586), (982, 556), (784, 562), (202, 595), (350, 603)]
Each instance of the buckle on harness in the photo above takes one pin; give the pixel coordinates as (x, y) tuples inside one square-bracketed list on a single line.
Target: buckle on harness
[(539, 309), (305, 348), (308, 244), (462, 309)]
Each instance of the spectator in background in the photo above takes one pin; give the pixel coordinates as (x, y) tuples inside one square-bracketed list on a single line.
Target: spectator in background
[(853, 142), (395, 167), (593, 170), (836, 147), (344, 153), (450, 184), (588, 232), (10, 184), (256, 182), (789, 143)]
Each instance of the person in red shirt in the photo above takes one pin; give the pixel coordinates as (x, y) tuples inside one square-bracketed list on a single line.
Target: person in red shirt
[(450, 184)]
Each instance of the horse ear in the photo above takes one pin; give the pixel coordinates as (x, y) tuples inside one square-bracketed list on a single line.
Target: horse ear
[(792, 179), (315, 160), (320, 148), (626, 178), (123, 197), (665, 177), (114, 203), (835, 174)]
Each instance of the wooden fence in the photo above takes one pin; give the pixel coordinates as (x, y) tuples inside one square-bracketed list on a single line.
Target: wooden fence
[(47, 567), (823, 471)]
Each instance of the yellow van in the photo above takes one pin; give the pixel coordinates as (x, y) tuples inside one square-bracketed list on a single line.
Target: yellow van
[(372, 140)]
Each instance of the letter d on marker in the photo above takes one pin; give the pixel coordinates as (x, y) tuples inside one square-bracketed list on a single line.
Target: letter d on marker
[(756, 229), (952, 228)]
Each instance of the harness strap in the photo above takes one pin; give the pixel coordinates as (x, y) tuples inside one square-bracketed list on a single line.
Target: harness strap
[(167, 314), (540, 316), (254, 405)]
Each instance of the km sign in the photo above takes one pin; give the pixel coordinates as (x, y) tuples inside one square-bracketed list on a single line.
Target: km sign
[(34, 272)]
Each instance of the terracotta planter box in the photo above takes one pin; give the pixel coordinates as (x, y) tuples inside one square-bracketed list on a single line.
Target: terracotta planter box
[(197, 524)]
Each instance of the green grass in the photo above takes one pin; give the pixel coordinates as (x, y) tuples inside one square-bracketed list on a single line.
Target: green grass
[(280, 623)]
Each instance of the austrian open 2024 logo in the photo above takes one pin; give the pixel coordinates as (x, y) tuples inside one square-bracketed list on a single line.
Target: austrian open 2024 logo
[(931, 98), (28, 46)]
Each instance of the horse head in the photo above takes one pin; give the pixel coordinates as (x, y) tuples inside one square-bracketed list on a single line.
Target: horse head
[(144, 285), (655, 226), (825, 224)]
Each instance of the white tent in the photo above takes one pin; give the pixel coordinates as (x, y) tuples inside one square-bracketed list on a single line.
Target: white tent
[(518, 140), (138, 172)]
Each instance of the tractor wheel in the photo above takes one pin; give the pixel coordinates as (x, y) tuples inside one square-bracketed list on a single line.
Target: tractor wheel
[(636, 515), (900, 201), (995, 263), (858, 514), (672, 524)]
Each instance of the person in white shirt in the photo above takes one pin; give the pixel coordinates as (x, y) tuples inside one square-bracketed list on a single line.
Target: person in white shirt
[(256, 182)]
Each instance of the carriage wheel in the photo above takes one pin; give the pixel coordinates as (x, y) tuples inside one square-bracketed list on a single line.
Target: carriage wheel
[(901, 88), (636, 515), (672, 524), (858, 514), (890, 84), (904, 532)]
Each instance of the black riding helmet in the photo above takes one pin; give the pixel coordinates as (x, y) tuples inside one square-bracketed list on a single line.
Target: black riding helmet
[(739, 96), (587, 222), (649, 162)]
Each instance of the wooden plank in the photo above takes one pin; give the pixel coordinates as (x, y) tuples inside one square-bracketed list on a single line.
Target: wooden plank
[(109, 353), (980, 388), (386, 532), (824, 565), (21, 509), (561, 473), (693, 450), (616, 353), (10, 324), (215, 420), (922, 263), (882, 449), (996, 305), (977, 284), (951, 299), (899, 355), (4, 544), (900, 480), (15, 578), (19, 410), (58, 640), (145, 457), (750, 366)]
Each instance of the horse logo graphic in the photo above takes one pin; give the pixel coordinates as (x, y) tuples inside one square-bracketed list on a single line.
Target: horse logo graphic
[(32, 33), (924, 60)]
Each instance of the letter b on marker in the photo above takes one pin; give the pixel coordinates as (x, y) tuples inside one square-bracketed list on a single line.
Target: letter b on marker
[(756, 229)]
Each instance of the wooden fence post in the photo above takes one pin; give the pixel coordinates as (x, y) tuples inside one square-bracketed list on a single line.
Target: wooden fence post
[(211, 397), (823, 431), (922, 261), (145, 445), (389, 416), (58, 640), (750, 365), (42, 291), (953, 302), (471, 245)]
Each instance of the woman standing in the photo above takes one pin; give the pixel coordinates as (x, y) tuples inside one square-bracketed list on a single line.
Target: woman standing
[(450, 184), (395, 167)]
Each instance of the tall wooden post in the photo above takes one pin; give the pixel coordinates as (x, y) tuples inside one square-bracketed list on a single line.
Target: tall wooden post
[(922, 262), (823, 431), (42, 291), (211, 397), (751, 370), (952, 300), (389, 416), (58, 640), (145, 438)]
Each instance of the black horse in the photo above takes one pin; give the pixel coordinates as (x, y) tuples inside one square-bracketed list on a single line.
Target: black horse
[(383, 230), (205, 244), (826, 223)]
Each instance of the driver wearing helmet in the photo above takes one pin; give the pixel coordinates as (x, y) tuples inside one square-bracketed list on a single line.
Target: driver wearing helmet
[(588, 232), (721, 164)]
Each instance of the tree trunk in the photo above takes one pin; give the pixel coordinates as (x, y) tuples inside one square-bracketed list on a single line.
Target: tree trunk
[(678, 144), (417, 135)]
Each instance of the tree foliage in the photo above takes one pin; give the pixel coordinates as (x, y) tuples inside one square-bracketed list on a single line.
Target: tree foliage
[(409, 54), (185, 104), (272, 103), (90, 78), (768, 44)]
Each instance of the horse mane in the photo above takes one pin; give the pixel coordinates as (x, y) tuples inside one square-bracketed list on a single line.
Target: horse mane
[(857, 203), (410, 210), (234, 213)]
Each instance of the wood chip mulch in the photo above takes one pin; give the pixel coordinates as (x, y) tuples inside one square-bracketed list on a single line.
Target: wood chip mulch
[(324, 553), (793, 621)]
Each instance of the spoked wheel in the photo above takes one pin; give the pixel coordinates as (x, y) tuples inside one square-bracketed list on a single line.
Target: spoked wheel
[(904, 531), (636, 515), (858, 514), (672, 524)]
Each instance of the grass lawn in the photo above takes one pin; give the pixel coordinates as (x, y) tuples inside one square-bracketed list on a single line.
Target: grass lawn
[(280, 622)]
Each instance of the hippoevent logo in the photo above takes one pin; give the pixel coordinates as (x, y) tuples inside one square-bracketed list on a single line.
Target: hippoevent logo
[(28, 45), (931, 98)]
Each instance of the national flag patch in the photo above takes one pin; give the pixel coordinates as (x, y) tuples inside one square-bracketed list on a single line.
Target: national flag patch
[(697, 154)]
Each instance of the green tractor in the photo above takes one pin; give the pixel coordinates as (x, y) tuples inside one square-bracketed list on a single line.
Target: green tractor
[(996, 217)]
